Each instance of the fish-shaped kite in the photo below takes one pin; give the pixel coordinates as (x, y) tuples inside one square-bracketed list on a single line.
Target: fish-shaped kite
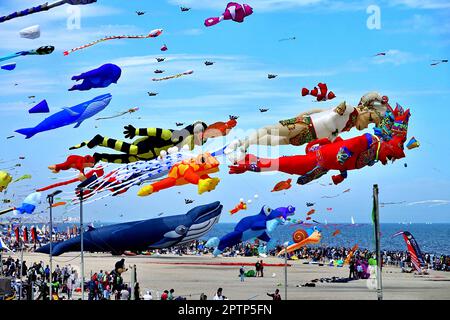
[(67, 116), (44, 50), (234, 11), (321, 94), (101, 77), (282, 185), (151, 34), (241, 206)]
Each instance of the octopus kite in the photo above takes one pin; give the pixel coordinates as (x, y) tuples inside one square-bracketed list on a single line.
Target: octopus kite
[(152, 34), (194, 171)]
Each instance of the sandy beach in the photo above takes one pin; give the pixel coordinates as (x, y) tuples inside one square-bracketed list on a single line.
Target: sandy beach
[(192, 275)]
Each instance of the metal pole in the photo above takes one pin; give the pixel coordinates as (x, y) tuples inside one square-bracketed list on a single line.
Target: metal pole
[(50, 201), (377, 241), (21, 271), (285, 272), (82, 243), (133, 281)]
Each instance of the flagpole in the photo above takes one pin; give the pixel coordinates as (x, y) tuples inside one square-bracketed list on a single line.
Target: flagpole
[(376, 224)]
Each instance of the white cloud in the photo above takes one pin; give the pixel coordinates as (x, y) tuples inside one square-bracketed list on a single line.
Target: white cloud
[(422, 4)]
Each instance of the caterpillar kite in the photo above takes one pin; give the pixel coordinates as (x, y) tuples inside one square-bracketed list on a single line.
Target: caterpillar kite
[(174, 76), (152, 34)]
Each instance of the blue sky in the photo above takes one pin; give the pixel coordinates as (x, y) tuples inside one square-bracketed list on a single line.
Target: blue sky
[(333, 45)]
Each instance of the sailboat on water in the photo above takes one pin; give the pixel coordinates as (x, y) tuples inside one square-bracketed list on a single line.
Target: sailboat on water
[(353, 220)]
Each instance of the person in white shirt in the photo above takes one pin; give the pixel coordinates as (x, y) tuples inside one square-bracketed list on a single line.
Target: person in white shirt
[(219, 295), (148, 296)]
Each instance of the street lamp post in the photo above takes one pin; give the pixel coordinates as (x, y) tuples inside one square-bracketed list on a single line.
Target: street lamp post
[(50, 202), (285, 271), (82, 242)]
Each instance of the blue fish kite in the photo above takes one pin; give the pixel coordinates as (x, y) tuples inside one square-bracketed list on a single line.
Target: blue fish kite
[(67, 116), (142, 235), (259, 226), (101, 77), (9, 66)]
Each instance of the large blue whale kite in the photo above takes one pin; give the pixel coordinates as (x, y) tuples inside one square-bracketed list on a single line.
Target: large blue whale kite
[(142, 235), (67, 116), (259, 226)]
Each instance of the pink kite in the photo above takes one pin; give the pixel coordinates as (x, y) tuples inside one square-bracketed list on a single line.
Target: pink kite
[(234, 11), (164, 48)]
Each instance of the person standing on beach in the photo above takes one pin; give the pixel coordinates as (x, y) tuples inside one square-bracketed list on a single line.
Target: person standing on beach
[(257, 268), (137, 294), (242, 273), (261, 268), (352, 270)]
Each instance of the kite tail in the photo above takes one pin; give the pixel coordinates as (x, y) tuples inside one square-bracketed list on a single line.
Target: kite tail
[(213, 21), (27, 132)]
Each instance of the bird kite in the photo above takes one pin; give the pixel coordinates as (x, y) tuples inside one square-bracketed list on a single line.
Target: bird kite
[(151, 34)]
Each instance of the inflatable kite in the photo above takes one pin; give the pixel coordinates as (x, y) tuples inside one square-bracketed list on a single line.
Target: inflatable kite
[(194, 171), (67, 116), (259, 226), (97, 172), (43, 7), (74, 162), (164, 48), (174, 76), (9, 66), (316, 124), (302, 238), (131, 110), (101, 77), (32, 32), (320, 94), (219, 129), (28, 205), (241, 206), (282, 185), (336, 232), (310, 212), (152, 34), (157, 233), (413, 143), (350, 254), (413, 249), (234, 11), (41, 107), (5, 180), (39, 51), (323, 155), (25, 176), (152, 142)]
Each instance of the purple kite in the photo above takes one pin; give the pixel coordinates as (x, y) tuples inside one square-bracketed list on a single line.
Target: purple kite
[(234, 11)]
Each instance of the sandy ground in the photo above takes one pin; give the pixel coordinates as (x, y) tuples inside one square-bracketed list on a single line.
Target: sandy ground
[(158, 273)]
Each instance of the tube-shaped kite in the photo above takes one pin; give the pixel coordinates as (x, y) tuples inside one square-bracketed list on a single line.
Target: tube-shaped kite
[(234, 11)]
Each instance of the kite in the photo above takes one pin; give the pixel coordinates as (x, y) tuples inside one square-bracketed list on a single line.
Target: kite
[(179, 124), (41, 107), (261, 226), (9, 66), (164, 48), (316, 124), (188, 201), (183, 9), (101, 77), (58, 204), (74, 162), (436, 62), (323, 155), (272, 76), (209, 63), (380, 54), (413, 143), (329, 197), (174, 76), (413, 249), (5, 180), (39, 51), (241, 206), (308, 218), (140, 13), (156, 233), (158, 71), (329, 209), (160, 59), (152, 94), (152, 34), (310, 212), (302, 238), (9, 137), (44, 7), (263, 110), (405, 165), (194, 171), (152, 142), (219, 129), (234, 11), (25, 176), (67, 116), (32, 32), (335, 233), (131, 110), (310, 204), (321, 94), (350, 254), (28, 205), (282, 185), (286, 39)]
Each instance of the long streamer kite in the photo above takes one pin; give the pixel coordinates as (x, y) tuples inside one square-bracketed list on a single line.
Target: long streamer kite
[(174, 76), (131, 110), (39, 51), (152, 34), (43, 7)]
